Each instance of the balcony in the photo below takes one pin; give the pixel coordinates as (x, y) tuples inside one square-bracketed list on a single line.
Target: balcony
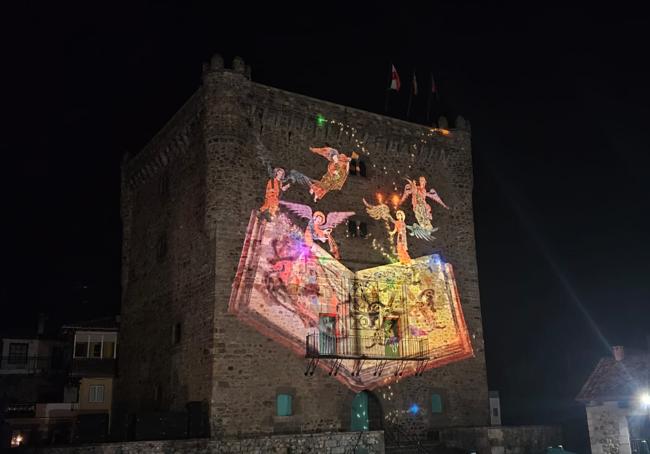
[(30, 365), (639, 446), (93, 367), (324, 346)]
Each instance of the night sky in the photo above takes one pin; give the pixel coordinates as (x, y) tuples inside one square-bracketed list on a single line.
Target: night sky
[(558, 100)]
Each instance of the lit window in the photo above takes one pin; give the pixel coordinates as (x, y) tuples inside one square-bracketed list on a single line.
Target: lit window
[(109, 350), (436, 403), (96, 393), (283, 404), (17, 353)]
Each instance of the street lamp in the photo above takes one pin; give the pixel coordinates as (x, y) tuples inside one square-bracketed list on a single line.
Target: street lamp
[(645, 399)]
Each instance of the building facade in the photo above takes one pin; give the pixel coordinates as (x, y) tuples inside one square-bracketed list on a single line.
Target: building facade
[(93, 366), (209, 316), (617, 402)]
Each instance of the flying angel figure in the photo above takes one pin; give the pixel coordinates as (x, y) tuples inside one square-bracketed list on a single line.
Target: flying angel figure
[(382, 212), (419, 195), (337, 171), (279, 182), (319, 227)]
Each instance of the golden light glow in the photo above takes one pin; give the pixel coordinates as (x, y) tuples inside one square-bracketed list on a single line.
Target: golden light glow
[(17, 440), (394, 200), (380, 197), (441, 131)]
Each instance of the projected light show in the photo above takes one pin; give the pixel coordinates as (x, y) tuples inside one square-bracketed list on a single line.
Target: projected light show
[(366, 328)]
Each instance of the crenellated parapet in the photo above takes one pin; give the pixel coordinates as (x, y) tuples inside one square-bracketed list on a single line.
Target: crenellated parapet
[(171, 143), (228, 102)]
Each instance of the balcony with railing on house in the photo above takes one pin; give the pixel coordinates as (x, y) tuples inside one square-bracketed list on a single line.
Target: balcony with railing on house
[(639, 446), (94, 354), (10, 365)]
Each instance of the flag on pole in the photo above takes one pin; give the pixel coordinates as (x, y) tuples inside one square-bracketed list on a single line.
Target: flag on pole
[(415, 85), (394, 79), (433, 85)]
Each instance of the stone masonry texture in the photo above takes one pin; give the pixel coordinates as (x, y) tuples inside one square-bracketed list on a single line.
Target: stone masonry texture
[(186, 201), (325, 443)]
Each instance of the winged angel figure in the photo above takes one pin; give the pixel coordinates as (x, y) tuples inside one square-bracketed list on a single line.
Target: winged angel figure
[(279, 181), (419, 195), (382, 211), (320, 227)]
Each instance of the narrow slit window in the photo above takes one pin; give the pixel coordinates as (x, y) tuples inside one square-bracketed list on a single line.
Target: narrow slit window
[(284, 405)]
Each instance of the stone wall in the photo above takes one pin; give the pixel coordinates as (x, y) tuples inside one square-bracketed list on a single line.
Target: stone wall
[(608, 429), (326, 443), (166, 272), (503, 439), (215, 179)]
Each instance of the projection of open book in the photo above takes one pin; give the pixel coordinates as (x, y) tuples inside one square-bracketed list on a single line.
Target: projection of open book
[(372, 326)]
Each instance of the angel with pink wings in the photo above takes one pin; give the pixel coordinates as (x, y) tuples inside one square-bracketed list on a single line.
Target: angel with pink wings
[(319, 227), (337, 171), (419, 195)]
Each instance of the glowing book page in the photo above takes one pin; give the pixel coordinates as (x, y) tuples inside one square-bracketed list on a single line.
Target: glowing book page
[(283, 288), (287, 290)]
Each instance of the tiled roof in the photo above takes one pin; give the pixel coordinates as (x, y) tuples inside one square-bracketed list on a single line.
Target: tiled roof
[(617, 380), (103, 324)]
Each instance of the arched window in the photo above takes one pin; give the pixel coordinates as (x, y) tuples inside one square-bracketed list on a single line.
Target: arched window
[(352, 229)]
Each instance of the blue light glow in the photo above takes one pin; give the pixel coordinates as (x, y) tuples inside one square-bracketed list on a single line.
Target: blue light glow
[(414, 409)]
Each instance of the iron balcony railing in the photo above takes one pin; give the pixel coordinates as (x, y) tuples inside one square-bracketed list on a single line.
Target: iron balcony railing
[(30, 364), (639, 446), (320, 345)]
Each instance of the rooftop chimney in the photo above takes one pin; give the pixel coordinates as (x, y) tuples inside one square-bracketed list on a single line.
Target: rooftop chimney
[(619, 352)]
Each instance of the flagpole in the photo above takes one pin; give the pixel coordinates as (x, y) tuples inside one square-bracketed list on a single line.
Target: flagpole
[(429, 105), (390, 78), (408, 107)]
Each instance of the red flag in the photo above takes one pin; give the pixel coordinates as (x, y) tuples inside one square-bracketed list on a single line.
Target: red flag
[(394, 79)]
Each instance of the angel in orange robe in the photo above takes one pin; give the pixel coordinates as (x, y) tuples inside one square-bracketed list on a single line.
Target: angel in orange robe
[(382, 211), (274, 189), (401, 245), (337, 172)]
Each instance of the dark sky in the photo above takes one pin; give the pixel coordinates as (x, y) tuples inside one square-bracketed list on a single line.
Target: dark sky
[(559, 104)]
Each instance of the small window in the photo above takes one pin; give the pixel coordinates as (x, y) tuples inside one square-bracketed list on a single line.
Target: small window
[(436, 403), (161, 248), (363, 229), (284, 402), (163, 186), (176, 334), (362, 168), (495, 411), (352, 229), (353, 166), (96, 393), (18, 353), (81, 350)]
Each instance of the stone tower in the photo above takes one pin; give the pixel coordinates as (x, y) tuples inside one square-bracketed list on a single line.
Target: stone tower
[(187, 199)]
